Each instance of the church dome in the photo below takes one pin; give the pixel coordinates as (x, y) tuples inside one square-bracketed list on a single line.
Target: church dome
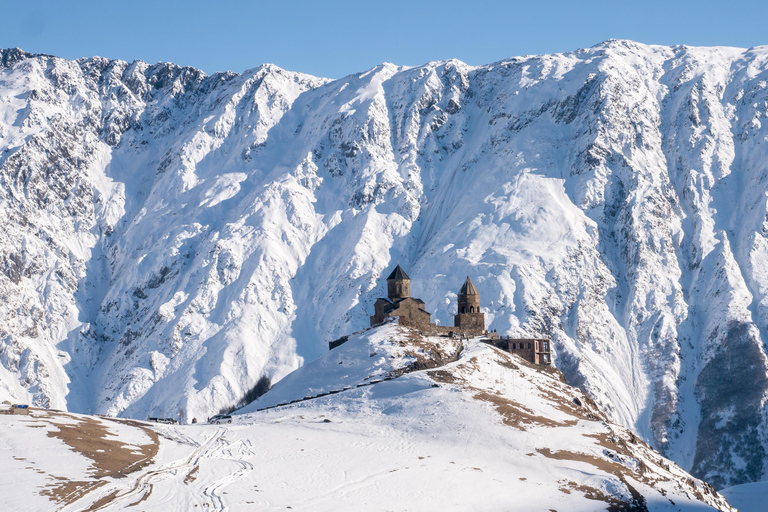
[(398, 273), (468, 288)]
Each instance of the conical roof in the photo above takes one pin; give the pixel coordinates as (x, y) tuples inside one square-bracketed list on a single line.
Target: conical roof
[(398, 273), (468, 288)]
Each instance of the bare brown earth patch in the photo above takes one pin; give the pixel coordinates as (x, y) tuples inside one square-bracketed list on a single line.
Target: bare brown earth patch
[(442, 376), (592, 493), (637, 502), (506, 363), (587, 411), (513, 414), (518, 416), (143, 498), (602, 464), (192, 475), (109, 457), (426, 352), (96, 505), (66, 491), (617, 451), (611, 441)]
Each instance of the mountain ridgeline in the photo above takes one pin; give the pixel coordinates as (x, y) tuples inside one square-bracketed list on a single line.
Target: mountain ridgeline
[(171, 239)]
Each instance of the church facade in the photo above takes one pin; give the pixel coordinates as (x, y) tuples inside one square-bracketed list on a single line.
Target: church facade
[(399, 303)]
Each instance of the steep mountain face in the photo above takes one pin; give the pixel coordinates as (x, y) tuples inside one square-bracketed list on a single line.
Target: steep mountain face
[(173, 238)]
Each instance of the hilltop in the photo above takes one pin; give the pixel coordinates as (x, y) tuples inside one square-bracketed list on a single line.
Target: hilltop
[(404, 422)]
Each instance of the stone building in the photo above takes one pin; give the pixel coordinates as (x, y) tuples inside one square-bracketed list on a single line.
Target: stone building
[(399, 302), (468, 321), (533, 350), (469, 316)]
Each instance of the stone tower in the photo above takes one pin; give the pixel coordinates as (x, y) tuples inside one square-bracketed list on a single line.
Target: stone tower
[(398, 284), (469, 315)]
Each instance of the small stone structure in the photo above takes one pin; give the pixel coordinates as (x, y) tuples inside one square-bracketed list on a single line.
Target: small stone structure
[(15, 409), (533, 350), (469, 315)]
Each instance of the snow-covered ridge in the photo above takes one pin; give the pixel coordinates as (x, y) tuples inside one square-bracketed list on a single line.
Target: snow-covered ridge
[(373, 356), (172, 238), (474, 429)]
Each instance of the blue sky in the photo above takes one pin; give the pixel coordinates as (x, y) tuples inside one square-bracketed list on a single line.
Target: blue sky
[(334, 38)]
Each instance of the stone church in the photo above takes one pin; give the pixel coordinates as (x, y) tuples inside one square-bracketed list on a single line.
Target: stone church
[(469, 319), (399, 302), (411, 311)]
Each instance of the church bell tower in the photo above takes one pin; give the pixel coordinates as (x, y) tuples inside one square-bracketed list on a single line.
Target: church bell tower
[(398, 284), (468, 315)]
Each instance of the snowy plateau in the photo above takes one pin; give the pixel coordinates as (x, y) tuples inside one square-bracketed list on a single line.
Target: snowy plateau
[(171, 239)]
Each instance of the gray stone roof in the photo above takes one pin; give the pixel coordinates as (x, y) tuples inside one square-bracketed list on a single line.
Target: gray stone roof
[(398, 273), (468, 288)]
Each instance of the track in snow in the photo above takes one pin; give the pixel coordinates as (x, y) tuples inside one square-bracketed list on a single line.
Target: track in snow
[(215, 446)]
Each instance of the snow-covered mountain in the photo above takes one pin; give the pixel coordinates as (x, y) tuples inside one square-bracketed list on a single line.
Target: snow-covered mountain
[(409, 422), (172, 239)]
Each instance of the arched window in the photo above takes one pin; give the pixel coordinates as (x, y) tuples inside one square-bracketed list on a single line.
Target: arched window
[(529, 345), (471, 309), (514, 346)]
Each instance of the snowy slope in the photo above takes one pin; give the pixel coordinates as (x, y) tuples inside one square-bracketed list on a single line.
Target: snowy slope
[(486, 431), (748, 497), (174, 238)]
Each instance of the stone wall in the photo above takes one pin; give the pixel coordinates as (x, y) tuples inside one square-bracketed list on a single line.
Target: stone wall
[(398, 288), (470, 321), (411, 313)]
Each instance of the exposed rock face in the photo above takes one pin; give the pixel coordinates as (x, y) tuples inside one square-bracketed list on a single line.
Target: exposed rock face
[(170, 238)]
